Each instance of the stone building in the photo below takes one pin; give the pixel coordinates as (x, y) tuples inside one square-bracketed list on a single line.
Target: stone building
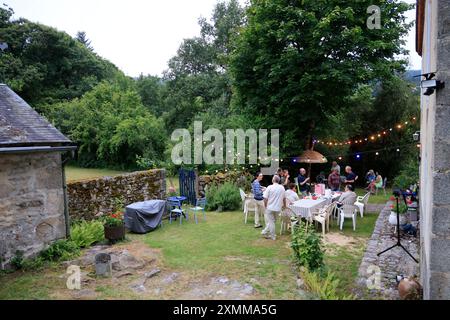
[(433, 44), (32, 185)]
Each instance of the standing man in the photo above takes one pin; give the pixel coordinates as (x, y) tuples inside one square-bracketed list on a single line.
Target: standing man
[(350, 177), (257, 191), (303, 182), (334, 181), (337, 167), (274, 201), (287, 180)]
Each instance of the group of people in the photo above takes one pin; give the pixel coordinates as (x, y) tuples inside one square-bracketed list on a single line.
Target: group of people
[(272, 200), (374, 181), (283, 192)]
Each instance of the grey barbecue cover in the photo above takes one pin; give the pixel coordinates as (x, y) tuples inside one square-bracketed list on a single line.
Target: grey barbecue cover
[(144, 217)]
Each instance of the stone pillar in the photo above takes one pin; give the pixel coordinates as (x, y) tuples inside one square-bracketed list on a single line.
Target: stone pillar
[(435, 166)]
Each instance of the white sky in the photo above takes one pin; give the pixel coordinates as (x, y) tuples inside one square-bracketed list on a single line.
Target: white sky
[(139, 36)]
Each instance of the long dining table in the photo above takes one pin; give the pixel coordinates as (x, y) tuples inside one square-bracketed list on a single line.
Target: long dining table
[(305, 208)]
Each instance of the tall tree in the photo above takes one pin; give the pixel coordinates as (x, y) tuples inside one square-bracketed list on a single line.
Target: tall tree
[(197, 79), (297, 61), (83, 39), (45, 65)]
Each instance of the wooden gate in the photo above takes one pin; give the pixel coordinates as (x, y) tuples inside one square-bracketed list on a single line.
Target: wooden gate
[(188, 185)]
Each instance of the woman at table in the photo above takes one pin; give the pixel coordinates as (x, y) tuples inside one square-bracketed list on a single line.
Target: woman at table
[(291, 195)]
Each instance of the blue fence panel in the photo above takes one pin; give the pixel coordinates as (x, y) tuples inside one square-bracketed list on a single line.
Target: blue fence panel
[(188, 179)]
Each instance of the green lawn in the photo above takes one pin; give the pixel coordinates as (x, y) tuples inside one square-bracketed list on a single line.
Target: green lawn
[(76, 173), (221, 246), (380, 198)]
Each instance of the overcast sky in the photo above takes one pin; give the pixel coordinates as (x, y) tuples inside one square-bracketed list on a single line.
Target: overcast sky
[(139, 36)]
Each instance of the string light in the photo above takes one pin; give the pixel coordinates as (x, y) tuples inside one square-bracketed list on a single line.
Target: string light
[(372, 137)]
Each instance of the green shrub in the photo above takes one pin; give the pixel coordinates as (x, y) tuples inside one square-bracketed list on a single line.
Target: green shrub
[(85, 233), (61, 250), (323, 288), (307, 247), (408, 176), (225, 197)]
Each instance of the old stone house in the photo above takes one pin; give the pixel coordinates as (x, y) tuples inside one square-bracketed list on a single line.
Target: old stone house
[(433, 44), (33, 210)]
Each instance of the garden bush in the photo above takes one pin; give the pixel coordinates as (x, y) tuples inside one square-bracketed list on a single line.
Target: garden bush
[(408, 176), (307, 247), (323, 288), (60, 250), (225, 197), (86, 233)]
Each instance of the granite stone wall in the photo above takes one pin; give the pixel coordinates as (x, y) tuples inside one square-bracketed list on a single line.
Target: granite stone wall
[(31, 204), (435, 164), (88, 199)]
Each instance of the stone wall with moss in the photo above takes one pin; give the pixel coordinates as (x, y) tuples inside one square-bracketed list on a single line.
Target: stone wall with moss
[(88, 199)]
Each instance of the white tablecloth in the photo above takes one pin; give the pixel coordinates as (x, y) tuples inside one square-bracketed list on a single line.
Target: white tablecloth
[(306, 207)]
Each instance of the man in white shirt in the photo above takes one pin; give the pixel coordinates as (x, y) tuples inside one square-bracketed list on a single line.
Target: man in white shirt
[(274, 201)]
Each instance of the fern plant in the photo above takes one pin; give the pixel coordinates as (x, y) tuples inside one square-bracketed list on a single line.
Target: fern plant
[(85, 233)]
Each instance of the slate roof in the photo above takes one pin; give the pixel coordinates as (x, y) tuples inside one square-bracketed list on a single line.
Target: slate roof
[(20, 124)]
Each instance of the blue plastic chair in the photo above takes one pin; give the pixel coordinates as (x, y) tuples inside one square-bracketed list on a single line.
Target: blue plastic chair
[(201, 205), (175, 207)]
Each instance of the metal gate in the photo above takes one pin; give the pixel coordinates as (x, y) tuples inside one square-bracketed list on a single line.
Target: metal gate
[(188, 185)]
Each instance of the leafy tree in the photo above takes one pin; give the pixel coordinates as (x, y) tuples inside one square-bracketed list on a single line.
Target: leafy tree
[(297, 61), (197, 78), (151, 90), (111, 127), (45, 65)]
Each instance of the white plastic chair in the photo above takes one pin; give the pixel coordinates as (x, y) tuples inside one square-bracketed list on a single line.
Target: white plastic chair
[(249, 204), (348, 211), (287, 217), (362, 202), (323, 216)]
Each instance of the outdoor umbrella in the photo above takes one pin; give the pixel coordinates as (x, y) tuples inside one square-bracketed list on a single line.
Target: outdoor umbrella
[(310, 157)]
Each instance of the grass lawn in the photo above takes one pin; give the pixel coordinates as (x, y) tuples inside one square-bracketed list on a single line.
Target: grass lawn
[(380, 198), (221, 246), (76, 173)]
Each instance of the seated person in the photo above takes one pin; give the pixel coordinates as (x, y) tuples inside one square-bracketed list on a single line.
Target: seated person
[(379, 182), (370, 177), (291, 194), (303, 182), (348, 197)]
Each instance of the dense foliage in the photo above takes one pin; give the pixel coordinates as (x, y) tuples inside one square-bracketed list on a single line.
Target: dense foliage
[(307, 247), (45, 65), (86, 233), (310, 68), (224, 197), (296, 62)]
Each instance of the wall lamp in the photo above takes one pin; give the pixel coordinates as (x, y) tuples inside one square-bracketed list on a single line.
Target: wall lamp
[(429, 84)]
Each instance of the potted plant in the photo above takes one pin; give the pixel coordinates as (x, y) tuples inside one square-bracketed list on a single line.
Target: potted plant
[(114, 227), (402, 209)]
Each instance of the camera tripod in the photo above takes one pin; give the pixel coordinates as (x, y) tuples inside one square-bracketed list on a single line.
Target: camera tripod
[(398, 244)]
